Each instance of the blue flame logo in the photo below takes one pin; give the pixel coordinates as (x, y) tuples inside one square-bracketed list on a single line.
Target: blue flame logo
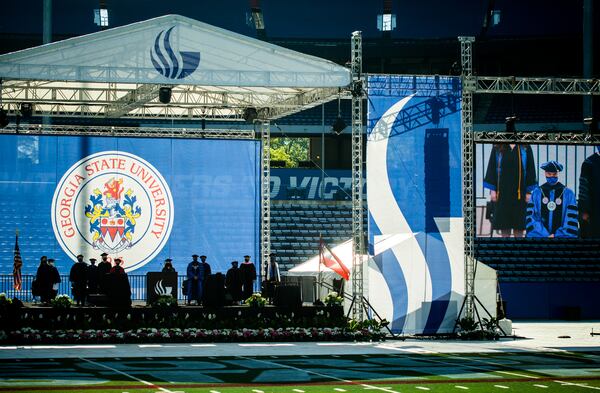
[(171, 64)]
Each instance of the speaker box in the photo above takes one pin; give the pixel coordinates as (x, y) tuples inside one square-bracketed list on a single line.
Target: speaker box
[(287, 296), (98, 299)]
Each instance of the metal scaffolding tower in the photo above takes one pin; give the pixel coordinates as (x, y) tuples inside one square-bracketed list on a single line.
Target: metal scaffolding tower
[(265, 195), (357, 176), (466, 58)]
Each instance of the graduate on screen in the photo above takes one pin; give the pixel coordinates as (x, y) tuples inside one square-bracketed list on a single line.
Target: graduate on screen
[(552, 211)]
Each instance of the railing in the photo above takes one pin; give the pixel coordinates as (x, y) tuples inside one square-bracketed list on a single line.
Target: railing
[(136, 281)]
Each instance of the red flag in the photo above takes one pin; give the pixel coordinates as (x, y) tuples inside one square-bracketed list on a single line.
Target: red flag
[(17, 264), (330, 260)]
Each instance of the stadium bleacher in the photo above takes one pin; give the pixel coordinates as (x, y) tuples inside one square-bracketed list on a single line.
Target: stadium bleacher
[(541, 260)]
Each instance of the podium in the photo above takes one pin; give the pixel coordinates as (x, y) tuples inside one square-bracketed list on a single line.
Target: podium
[(158, 284)]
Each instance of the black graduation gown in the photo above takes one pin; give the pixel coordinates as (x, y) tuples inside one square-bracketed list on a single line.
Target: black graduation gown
[(103, 270), (248, 274), (119, 290), (92, 278), (44, 282), (233, 282), (78, 278), (511, 173)]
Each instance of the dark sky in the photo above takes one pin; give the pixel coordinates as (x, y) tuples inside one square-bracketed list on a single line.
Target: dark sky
[(310, 18)]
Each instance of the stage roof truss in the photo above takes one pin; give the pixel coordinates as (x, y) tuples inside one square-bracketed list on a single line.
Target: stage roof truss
[(214, 74), (140, 101)]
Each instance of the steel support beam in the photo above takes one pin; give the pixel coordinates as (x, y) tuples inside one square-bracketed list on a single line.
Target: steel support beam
[(265, 196), (466, 57), (555, 138), (148, 132), (358, 233)]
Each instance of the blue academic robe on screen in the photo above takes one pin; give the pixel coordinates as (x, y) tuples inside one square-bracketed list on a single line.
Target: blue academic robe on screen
[(562, 221)]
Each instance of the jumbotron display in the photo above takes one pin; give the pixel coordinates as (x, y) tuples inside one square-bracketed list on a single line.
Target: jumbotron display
[(141, 200), (538, 191)]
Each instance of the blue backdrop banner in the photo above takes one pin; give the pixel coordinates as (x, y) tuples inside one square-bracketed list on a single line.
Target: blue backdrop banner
[(414, 188), (139, 199)]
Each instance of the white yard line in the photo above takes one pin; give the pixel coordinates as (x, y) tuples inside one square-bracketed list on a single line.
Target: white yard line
[(541, 386), (501, 387), (461, 387), (127, 375), (580, 385), (517, 375)]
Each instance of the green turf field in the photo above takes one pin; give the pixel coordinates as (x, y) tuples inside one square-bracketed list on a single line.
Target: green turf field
[(493, 372)]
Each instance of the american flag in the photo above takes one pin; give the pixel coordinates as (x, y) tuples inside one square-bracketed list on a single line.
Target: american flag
[(330, 260), (18, 263)]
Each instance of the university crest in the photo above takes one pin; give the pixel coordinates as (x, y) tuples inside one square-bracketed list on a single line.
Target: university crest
[(112, 217)]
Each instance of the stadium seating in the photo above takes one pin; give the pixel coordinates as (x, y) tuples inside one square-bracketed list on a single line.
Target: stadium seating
[(296, 226), (541, 260)]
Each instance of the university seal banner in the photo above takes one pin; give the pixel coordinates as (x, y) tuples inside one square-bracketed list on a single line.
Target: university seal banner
[(414, 192), (113, 202), (140, 199)]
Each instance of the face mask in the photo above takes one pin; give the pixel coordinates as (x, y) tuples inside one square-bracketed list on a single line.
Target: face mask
[(552, 180)]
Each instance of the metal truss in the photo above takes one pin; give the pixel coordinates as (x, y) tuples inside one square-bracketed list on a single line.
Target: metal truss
[(466, 57), (148, 132), (415, 116), (358, 233), (265, 196), (510, 84), (134, 101), (557, 138)]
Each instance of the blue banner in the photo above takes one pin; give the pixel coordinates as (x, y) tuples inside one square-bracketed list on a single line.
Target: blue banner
[(139, 199), (311, 184), (414, 192)]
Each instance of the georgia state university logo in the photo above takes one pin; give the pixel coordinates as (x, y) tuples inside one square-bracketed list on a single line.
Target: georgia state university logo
[(113, 202), (169, 63)]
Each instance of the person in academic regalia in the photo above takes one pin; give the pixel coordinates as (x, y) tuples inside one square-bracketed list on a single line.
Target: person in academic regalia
[(207, 272), (272, 277), (103, 269), (552, 211), (168, 267), (510, 177), (78, 278), (119, 289), (54, 278), (589, 196), (233, 282), (43, 281), (195, 276), (248, 274), (92, 276)]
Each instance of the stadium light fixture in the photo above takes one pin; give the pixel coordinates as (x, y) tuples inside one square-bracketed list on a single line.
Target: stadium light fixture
[(164, 94), (101, 17), (386, 22)]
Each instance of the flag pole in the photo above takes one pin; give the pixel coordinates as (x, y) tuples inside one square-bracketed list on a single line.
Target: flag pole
[(320, 261)]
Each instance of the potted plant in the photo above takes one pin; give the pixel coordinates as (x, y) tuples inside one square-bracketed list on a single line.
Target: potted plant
[(256, 300)]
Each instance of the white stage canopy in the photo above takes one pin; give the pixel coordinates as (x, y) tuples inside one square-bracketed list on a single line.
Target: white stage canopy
[(214, 73)]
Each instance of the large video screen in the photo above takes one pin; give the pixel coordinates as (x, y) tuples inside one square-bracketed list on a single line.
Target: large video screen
[(537, 191), (139, 199)]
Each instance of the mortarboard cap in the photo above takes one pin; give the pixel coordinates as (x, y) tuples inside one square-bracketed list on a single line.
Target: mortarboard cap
[(104, 254), (93, 259), (80, 256), (246, 256), (552, 166), (168, 260), (195, 256), (202, 256)]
